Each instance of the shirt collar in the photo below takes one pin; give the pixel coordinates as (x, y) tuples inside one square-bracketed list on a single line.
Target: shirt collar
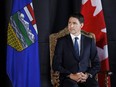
[(73, 37)]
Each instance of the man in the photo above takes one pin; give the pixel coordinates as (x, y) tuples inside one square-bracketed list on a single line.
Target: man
[(73, 57)]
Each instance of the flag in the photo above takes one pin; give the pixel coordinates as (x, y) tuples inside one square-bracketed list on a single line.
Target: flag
[(94, 22), (22, 46)]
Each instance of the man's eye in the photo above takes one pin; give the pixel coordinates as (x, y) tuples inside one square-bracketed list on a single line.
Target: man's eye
[(69, 22), (74, 23)]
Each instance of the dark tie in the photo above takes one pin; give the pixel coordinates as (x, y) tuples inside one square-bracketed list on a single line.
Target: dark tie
[(76, 47)]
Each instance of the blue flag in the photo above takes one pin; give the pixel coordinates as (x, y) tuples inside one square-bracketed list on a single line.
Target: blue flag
[(22, 46)]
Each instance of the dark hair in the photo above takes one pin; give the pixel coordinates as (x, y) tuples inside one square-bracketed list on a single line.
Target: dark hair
[(79, 16)]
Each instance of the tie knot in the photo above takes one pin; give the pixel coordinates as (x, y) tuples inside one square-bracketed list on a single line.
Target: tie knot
[(76, 38)]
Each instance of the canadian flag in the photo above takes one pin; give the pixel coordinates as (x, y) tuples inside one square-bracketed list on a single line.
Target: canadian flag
[(94, 22)]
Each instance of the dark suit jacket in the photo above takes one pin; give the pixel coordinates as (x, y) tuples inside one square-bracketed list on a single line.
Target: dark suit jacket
[(65, 60)]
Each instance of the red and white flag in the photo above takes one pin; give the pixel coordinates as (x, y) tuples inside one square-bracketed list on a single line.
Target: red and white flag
[(94, 22)]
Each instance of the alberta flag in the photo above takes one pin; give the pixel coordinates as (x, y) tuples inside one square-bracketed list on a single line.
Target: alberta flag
[(22, 46), (94, 22)]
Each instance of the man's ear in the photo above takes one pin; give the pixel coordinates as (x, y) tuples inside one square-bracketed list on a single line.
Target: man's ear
[(82, 24)]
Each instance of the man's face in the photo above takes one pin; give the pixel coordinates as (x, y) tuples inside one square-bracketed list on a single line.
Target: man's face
[(74, 26)]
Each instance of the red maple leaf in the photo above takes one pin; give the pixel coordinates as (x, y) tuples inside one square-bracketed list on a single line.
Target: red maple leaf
[(94, 23)]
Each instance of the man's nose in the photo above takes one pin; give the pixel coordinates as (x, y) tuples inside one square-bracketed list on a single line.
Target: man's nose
[(71, 25)]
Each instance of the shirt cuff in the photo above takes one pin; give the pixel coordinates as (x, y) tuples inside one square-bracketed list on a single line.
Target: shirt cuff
[(89, 75)]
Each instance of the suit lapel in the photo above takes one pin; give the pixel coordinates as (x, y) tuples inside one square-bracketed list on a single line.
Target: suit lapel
[(82, 48)]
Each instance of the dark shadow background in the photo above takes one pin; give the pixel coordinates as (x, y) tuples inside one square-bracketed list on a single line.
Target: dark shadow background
[(52, 16)]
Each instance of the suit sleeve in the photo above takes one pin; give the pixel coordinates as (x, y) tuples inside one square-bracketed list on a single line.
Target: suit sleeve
[(57, 59), (95, 62)]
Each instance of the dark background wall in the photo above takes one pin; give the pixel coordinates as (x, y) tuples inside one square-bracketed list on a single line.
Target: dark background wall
[(3, 78), (52, 16)]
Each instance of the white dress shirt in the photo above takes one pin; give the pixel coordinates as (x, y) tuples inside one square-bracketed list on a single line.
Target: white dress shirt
[(79, 40)]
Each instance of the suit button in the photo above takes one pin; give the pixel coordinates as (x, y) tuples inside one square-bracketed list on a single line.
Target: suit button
[(79, 64)]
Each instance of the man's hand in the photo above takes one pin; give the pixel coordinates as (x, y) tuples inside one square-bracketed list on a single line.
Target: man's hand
[(79, 77), (75, 77), (84, 77)]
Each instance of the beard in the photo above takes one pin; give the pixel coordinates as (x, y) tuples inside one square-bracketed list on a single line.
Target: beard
[(73, 31)]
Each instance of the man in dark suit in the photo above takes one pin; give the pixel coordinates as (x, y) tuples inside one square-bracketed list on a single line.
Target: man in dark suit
[(72, 57)]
